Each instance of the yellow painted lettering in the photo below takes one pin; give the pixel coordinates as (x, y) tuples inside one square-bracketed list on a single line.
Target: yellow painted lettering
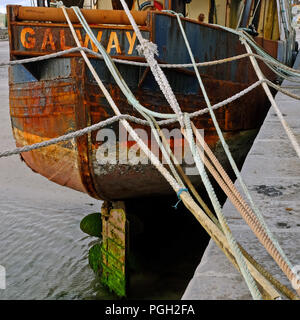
[(79, 37), (131, 41), (113, 42), (63, 40), (48, 40), (87, 40), (28, 42)]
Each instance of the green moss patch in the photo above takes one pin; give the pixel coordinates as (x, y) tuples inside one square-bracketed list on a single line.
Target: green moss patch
[(95, 257), (92, 224)]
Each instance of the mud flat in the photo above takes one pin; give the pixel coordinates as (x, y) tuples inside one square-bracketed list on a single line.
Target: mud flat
[(272, 174)]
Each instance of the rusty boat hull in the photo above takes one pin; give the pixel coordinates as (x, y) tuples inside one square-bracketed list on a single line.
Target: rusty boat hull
[(57, 96)]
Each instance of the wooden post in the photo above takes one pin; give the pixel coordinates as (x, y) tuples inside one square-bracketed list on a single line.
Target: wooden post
[(114, 248)]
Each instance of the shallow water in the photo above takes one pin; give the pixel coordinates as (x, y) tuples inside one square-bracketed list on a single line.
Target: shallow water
[(44, 252), (41, 245)]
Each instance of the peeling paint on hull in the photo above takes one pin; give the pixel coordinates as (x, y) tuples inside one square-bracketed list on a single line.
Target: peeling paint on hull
[(74, 164)]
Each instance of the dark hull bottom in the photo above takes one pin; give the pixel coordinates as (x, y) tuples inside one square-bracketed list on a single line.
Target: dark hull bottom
[(122, 181), (125, 181)]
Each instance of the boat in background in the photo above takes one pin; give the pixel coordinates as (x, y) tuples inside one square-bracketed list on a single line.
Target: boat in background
[(53, 97)]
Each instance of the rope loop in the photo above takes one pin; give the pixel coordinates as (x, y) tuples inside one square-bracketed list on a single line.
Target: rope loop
[(147, 48)]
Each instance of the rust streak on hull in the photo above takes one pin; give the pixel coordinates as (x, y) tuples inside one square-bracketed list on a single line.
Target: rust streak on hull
[(53, 97)]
